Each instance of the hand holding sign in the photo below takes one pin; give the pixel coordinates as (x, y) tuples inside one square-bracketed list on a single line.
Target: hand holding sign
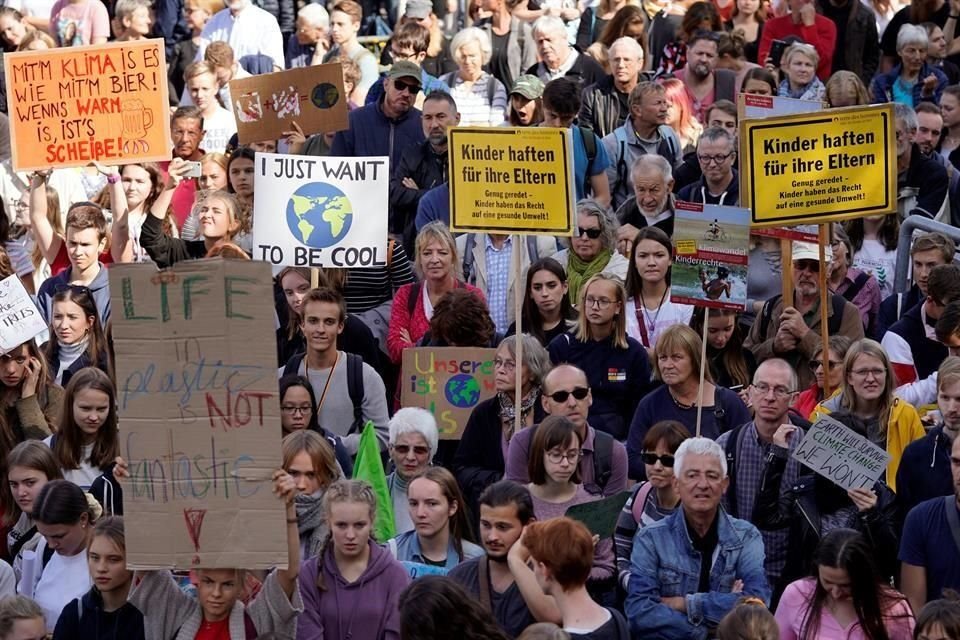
[(864, 499)]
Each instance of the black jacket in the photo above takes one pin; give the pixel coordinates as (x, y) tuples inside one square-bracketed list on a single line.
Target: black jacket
[(861, 44), (479, 461), (924, 470), (89, 621), (80, 363), (697, 192), (929, 178), (585, 70), (428, 169), (891, 311), (629, 213), (603, 108), (801, 512)]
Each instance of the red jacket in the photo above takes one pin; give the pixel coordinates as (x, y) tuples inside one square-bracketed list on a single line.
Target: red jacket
[(416, 324), (822, 35)]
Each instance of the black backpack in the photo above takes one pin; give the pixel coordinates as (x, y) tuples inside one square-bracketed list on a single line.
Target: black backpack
[(602, 461), (590, 145)]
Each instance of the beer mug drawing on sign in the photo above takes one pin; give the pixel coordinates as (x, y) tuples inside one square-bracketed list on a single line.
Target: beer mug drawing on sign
[(136, 120)]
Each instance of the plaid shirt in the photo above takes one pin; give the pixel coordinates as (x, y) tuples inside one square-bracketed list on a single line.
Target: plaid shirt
[(498, 279), (750, 464)]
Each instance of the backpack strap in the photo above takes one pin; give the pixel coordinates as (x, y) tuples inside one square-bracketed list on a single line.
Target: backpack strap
[(469, 244), (413, 297), (834, 322), (590, 145), (355, 389), (483, 583), (953, 520), (766, 314), (669, 136), (491, 89), (292, 366), (602, 458), (22, 540), (856, 287), (46, 557), (620, 135), (640, 500), (730, 451), (450, 78)]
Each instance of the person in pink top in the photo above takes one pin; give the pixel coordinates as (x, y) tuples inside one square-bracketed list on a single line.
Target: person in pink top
[(845, 599), (805, 23), (436, 262), (78, 22)]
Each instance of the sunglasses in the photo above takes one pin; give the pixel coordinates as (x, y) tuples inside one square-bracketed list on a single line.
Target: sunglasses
[(593, 234), (412, 87), (404, 449), (651, 459), (578, 393), (815, 364), (75, 289)]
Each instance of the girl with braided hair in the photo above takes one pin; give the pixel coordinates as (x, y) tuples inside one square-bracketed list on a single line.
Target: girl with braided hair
[(351, 588)]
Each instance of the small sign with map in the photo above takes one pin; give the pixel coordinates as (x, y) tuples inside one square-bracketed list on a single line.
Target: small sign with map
[(333, 211)]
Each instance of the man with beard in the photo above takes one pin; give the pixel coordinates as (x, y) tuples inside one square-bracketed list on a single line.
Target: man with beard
[(389, 126), (793, 332), (651, 204), (502, 581), (422, 167), (922, 182), (705, 84)]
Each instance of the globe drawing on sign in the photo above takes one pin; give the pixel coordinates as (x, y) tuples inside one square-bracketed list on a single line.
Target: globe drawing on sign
[(462, 391), (319, 215)]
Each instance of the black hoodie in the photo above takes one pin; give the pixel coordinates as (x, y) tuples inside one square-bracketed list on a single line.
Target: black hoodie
[(85, 618)]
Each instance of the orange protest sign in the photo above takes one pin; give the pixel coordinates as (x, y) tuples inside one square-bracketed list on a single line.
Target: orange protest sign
[(69, 107)]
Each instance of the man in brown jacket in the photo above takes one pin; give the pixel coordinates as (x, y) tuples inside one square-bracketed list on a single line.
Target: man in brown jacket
[(793, 333)]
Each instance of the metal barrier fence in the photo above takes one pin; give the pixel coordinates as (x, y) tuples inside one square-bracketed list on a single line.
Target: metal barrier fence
[(907, 228)]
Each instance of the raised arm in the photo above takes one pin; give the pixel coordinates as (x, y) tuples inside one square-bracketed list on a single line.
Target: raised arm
[(43, 233), (178, 167), (121, 249), (285, 489)]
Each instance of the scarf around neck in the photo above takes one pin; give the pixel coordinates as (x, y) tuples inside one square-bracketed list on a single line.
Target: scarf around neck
[(311, 524), (508, 410), (578, 271), (69, 353)]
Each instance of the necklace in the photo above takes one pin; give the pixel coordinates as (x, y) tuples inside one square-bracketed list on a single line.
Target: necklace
[(652, 322), (677, 402)]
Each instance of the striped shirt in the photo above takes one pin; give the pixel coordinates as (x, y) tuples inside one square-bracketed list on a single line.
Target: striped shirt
[(369, 288), (627, 529), (474, 104)]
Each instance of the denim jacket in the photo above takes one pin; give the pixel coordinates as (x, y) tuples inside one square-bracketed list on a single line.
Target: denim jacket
[(406, 549), (665, 564)]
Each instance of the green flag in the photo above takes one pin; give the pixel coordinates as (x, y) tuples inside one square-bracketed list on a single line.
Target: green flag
[(369, 467)]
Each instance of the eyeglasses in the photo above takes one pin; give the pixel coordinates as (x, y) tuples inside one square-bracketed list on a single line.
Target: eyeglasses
[(866, 373), (579, 393), (813, 266), (509, 365), (651, 458), (815, 364), (404, 449), (717, 159), (593, 234), (572, 456), (779, 392), (412, 88), (600, 303), (295, 409), (403, 55), (21, 206)]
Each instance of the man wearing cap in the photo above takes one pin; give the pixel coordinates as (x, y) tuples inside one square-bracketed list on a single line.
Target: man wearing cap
[(409, 42), (606, 104), (422, 167), (558, 58), (389, 126), (793, 332)]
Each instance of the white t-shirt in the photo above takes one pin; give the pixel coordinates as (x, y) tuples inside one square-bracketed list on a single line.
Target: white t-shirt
[(86, 474), (656, 321), (63, 579), (219, 128), (875, 259)]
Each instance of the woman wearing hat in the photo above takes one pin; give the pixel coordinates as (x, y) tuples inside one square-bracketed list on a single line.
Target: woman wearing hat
[(526, 102)]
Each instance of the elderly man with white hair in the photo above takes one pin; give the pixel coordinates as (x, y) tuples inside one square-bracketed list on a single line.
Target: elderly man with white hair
[(606, 104), (688, 570), (310, 42), (413, 441), (558, 58), (652, 202)]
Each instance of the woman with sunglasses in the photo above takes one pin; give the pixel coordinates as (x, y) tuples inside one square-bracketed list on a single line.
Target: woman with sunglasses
[(677, 364), (809, 398), (648, 309), (482, 451), (547, 310), (593, 249), (867, 391), (412, 443), (555, 486), (616, 365), (653, 499)]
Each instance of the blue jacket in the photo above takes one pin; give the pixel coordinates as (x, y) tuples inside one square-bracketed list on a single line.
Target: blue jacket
[(434, 205), (924, 470), (371, 133), (665, 564), (881, 89), (406, 548), (99, 288)]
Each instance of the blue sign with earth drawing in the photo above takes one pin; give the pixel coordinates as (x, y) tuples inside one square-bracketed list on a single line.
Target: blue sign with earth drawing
[(322, 198), (449, 381)]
